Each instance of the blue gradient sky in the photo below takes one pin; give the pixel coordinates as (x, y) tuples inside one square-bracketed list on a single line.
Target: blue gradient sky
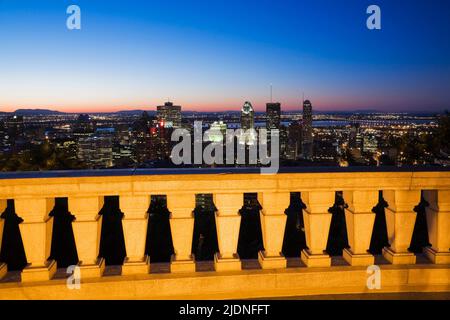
[(214, 55)]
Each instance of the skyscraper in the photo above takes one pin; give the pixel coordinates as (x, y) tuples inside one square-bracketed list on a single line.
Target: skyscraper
[(294, 144), (247, 116), (15, 129), (218, 130), (273, 115), (169, 115), (248, 123), (15, 125), (140, 138), (97, 150), (355, 139), (370, 143), (307, 130)]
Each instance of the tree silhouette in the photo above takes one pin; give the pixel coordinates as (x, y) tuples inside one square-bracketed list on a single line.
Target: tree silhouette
[(40, 157)]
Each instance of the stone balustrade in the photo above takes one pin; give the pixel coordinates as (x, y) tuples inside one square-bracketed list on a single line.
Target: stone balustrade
[(34, 198)]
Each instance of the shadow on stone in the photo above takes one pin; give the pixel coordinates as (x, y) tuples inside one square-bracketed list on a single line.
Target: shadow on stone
[(112, 241), (159, 245), (419, 238), (204, 242), (12, 251), (63, 248), (337, 236), (294, 240), (379, 238), (250, 235)]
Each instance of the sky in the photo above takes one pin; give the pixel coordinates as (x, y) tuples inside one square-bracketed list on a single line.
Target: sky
[(214, 55)]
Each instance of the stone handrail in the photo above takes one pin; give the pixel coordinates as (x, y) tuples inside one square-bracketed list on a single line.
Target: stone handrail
[(34, 196)]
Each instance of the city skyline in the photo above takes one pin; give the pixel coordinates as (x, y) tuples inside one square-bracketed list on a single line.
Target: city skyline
[(224, 150), (137, 56), (258, 109)]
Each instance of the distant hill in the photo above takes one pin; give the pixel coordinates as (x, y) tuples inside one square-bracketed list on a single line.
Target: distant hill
[(36, 112), (135, 112)]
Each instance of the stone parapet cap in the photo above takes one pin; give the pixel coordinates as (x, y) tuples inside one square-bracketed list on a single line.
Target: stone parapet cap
[(218, 183)]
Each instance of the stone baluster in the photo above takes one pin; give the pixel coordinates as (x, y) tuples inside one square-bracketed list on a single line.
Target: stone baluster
[(317, 222), (438, 222), (228, 222), (273, 225), (36, 231), (3, 267), (135, 225), (400, 220), (181, 208), (87, 231), (359, 219)]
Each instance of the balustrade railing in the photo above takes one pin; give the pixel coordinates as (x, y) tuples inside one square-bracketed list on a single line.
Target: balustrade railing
[(34, 198)]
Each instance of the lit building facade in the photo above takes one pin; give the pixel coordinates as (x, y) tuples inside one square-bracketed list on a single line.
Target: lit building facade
[(248, 123), (307, 130), (217, 131), (14, 129), (97, 149), (169, 115), (273, 114), (370, 143), (295, 138)]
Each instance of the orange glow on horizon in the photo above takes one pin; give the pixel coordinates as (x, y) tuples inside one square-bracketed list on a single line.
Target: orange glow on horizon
[(235, 105)]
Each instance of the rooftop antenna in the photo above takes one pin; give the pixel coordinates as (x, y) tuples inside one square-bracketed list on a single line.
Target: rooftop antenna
[(271, 100)]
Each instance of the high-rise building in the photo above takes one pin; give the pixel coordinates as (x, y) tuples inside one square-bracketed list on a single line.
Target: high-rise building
[(96, 151), (217, 131), (84, 126), (247, 116), (283, 140), (169, 115), (248, 123), (307, 130), (295, 138), (3, 138), (273, 115), (15, 129), (355, 138), (122, 147), (15, 125), (160, 142), (370, 143), (140, 138)]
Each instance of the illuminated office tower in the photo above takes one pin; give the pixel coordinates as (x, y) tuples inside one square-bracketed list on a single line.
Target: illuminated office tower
[(273, 115), (247, 116), (248, 123), (217, 131), (96, 151), (140, 138), (307, 130), (169, 115), (355, 139), (294, 144), (370, 143), (14, 128)]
